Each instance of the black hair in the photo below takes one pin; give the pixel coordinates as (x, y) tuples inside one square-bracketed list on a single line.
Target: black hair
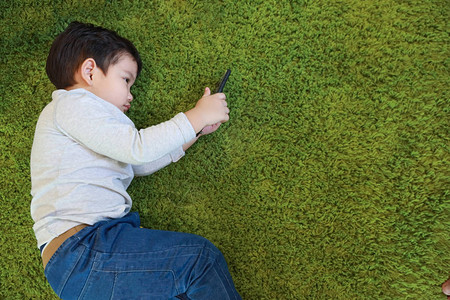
[(81, 41)]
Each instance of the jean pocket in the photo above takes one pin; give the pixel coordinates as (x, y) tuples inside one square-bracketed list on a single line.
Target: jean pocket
[(62, 265), (129, 284)]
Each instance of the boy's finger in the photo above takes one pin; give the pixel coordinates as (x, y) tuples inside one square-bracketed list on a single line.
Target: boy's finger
[(207, 92), (221, 96)]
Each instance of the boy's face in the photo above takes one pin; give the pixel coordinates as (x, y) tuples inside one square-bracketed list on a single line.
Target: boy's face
[(115, 86)]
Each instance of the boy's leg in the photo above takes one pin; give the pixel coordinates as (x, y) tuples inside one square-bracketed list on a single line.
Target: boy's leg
[(125, 261), (192, 264)]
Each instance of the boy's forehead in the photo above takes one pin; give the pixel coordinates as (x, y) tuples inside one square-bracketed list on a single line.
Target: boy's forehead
[(128, 63)]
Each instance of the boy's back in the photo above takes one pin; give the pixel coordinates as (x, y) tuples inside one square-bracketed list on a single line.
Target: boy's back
[(71, 183)]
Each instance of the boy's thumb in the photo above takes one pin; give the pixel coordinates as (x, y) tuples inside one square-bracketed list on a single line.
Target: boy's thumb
[(207, 92)]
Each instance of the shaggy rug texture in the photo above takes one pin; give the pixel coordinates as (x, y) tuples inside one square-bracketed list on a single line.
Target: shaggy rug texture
[(331, 179)]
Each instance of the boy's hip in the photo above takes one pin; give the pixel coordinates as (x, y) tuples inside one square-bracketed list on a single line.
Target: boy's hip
[(116, 257), (54, 244)]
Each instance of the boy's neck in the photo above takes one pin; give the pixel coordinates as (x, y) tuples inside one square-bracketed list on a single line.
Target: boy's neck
[(75, 86)]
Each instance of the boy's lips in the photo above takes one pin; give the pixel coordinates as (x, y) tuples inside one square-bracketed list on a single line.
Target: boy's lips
[(127, 106)]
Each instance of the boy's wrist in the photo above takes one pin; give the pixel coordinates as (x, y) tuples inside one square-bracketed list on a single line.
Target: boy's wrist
[(190, 143), (196, 120), (199, 134)]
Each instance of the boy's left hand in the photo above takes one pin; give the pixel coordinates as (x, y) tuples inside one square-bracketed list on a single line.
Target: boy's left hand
[(210, 128), (207, 130)]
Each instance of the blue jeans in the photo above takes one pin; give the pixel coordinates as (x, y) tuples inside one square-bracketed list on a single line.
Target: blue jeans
[(116, 259)]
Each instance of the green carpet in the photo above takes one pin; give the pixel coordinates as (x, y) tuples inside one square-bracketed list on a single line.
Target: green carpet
[(331, 179)]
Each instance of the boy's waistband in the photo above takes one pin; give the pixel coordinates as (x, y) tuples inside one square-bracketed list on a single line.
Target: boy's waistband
[(49, 249)]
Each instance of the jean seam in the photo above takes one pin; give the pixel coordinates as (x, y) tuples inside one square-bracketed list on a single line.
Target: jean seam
[(224, 275), (135, 271), (147, 252), (213, 261), (223, 285), (83, 290), (99, 253), (114, 285), (175, 283), (63, 285)]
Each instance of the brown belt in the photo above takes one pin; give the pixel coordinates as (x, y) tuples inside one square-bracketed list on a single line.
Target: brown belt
[(54, 244)]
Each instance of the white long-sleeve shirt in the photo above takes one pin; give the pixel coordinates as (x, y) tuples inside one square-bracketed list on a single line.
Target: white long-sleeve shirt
[(84, 156)]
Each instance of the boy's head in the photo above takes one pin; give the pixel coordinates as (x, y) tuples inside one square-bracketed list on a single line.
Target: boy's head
[(81, 41)]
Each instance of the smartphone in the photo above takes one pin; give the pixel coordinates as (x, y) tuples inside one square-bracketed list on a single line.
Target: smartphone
[(223, 81)]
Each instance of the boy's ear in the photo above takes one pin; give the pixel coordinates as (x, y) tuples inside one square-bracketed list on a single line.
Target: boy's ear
[(87, 70)]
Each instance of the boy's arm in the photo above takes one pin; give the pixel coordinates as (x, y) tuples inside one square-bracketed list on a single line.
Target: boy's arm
[(189, 144), (105, 130), (98, 126), (152, 167)]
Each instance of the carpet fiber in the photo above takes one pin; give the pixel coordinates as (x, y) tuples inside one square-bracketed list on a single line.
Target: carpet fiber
[(331, 179)]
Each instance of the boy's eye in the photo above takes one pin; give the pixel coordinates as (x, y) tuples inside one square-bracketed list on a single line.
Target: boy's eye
[(127, 80)]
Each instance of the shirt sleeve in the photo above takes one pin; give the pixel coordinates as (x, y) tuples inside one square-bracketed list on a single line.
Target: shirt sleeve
[(101, 127), (152, 167)]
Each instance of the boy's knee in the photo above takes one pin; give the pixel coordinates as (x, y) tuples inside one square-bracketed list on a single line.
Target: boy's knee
[(206, 245)]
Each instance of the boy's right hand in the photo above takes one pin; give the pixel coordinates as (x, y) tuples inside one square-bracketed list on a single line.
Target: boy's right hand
[(209, 110)]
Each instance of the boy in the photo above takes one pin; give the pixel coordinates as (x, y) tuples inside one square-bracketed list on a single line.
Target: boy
[(84, 156)]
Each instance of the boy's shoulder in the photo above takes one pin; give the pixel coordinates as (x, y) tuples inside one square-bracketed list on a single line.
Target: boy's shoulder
[(78, 100), (80, 104), (76, 95)]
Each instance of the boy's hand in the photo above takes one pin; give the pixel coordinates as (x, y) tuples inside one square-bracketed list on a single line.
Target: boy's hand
[(209, 110), (211, 128)]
